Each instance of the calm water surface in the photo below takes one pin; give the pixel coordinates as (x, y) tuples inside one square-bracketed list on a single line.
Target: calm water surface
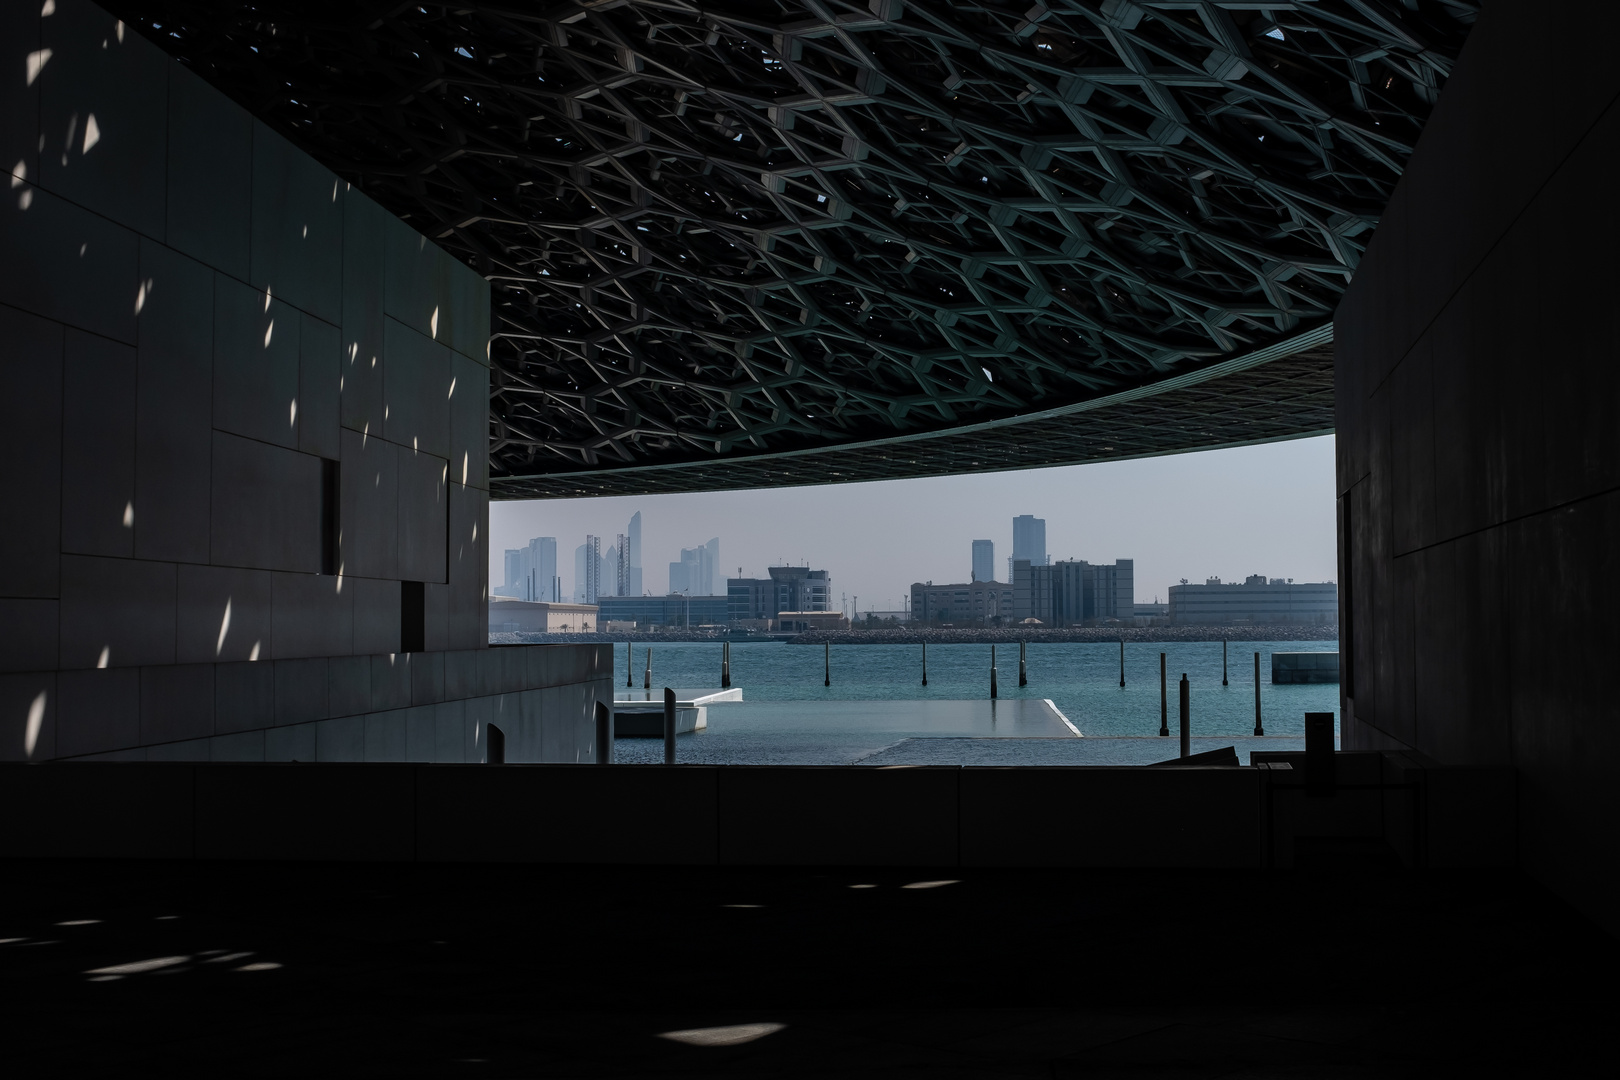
[(1082, 680)]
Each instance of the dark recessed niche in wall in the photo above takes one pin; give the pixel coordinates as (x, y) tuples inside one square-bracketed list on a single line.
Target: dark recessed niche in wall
[(412, 617), (330, 560)]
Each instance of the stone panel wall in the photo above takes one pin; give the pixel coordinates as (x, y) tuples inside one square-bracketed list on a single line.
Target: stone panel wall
[(202, 331), (1478, 456)]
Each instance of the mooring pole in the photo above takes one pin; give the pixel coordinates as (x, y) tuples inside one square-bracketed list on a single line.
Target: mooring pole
[(1122, 663), (826, 657), (725, 665), (1023, 674), (1186, 720), (669, 726), (629, 665), (1258, 729), (992, 673), (604, 734), (1223, 661), (1164, 702), (925, 663), (647, 685)]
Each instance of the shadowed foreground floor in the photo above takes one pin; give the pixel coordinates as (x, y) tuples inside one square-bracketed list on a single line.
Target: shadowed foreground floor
[(272, 969)]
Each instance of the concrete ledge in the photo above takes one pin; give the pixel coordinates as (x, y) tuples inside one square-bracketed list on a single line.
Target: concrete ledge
[(97, 811), (838, 816), (1111, 816), (567, 814), (359, 813)]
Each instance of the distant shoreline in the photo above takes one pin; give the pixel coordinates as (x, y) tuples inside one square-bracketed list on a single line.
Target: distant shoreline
[(957, 636)]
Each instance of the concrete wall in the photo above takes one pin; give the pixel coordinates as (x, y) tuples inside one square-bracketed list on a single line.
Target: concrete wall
[(1212, 818), (1478, 456), (195, 320)]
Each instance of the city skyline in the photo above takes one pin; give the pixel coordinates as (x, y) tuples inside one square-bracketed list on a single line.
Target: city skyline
[(1257, 509)]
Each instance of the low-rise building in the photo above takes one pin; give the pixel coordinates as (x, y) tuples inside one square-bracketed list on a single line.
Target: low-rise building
[(507, 615), (797, 622), (674, 610), (1258, 601), (973, 603)]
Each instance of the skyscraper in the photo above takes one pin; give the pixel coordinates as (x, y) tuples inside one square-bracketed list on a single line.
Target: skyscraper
[(621, 568), (984, 560), (1029, 541), (588, 565), (698, 572), (635, 554)]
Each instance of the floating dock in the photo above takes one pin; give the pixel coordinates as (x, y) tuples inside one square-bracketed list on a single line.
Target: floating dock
[(640, 713)]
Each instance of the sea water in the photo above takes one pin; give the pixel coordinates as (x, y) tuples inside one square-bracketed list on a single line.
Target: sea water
[(1081, 680)]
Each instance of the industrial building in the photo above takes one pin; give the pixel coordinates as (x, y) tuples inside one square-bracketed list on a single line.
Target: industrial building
[(1073, 592), (973, 603), (674, 610), (1258, 600), (509, 615), (756, 602)]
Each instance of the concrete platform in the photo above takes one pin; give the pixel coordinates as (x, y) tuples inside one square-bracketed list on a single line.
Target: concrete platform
[(640, 713)]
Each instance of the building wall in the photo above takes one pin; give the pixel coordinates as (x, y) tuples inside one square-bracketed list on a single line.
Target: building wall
[(1275, 602), (208, 344), (1478, 462), (541, 617), (964, 604)]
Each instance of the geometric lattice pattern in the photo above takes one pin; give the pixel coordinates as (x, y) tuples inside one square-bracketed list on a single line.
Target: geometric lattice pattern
[(722, 236)]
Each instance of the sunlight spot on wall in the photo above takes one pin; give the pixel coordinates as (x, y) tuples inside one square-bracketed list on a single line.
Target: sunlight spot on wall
[(224, 628), (26, 199), (292, 413), (139, 966), (385, 412), (271, 329), (19, 173), (365, 434), (341, 380), (92, 133), (340, 579), (334, 190), (354, 350), (82, 249), (306, 233), (261, 965), (78, 922), (452, 392), (120, 31), (48, 9), (373, 361), (464, 462), (930, 884), (106, 655), (728, 1035), (141, 294), (129, 515), (73, 129), (36, 719), (36, 63), (433, 324), (253, 653), (475, 532)]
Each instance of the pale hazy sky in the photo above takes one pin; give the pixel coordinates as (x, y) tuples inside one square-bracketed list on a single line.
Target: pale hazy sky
[(1229, 513)]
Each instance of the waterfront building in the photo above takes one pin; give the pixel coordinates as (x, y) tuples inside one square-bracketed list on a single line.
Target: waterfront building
[(788, 588), (674, 610), (1029, 541), (984, 560), (797, 622), (508, 615), (1258, 601), (973, 603), (1073, 592), (588, 571)]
